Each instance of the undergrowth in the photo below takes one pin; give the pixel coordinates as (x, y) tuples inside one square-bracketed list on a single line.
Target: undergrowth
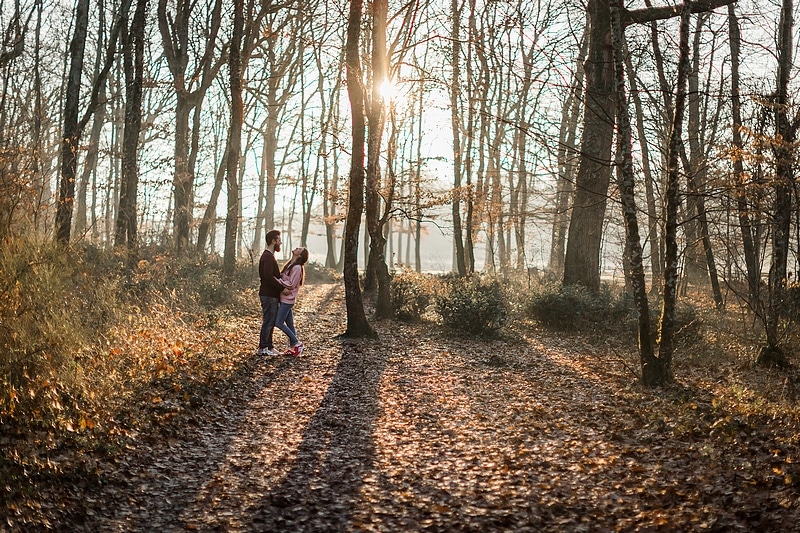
[(93, 346)]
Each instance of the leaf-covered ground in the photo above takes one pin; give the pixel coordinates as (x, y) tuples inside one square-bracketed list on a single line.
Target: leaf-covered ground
[(420, 431)]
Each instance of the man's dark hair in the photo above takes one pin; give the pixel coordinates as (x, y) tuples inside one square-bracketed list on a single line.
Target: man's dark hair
[(272, 236)]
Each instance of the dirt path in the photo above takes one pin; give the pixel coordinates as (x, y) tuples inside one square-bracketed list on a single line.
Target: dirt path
[(418, 432)]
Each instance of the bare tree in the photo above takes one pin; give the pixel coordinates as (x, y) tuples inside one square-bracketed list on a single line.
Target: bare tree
[(190, 89), (456, 10), (652, 373), (73, 124), (582, 262), (782, 147), (666, 336), (357, 325), (133, 53), (234, 138), (745, 223)]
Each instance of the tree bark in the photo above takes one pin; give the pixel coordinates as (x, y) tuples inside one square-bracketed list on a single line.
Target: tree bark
[(650, 365), (782, 147), (376, 120), (133, 56), (661, 373), (455, 125), (745, 223), (582, 261), (357, 325), (71, 133), (234, 140)]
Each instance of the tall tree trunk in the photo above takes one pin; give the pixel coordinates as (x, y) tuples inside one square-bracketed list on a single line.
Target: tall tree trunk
[(662, 373), (71, 133), (93, 147), (652, 211), (566, 155), (783, 149), (174, 29), (745, 223), (700, 252), (376, 120), (133, 46), (357, 325), (582, 261), (234, 140), (455, 124), (695, 269), (650, 365)]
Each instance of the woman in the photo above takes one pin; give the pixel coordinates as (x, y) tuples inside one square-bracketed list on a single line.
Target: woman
[(292, 275)]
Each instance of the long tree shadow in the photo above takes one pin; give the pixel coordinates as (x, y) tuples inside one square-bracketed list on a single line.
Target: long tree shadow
[(321, 491)]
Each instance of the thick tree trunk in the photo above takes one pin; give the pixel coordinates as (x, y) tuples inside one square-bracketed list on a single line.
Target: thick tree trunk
[(357, 325), (376, 119), (183, 182), (582, 261)]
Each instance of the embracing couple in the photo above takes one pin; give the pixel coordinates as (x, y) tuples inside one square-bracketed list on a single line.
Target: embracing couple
[(278, 292)]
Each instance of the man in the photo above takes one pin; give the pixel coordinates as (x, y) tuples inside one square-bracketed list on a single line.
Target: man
[(269, 292)]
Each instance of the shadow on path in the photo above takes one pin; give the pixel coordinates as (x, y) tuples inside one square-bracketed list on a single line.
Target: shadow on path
[(322, 489)]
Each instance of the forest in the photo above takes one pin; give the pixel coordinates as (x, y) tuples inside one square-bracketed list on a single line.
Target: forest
[(553, 279)]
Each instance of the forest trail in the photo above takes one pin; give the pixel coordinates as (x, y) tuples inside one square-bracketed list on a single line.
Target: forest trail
[(423, 432)]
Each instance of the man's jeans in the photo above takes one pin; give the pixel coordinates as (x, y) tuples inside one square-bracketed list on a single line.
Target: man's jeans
[(269, 308), (285, 322)]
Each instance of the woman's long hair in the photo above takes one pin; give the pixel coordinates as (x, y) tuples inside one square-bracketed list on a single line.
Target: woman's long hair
[(302, 260)]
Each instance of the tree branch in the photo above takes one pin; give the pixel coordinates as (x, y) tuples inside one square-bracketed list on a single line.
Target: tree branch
[(650, 14)]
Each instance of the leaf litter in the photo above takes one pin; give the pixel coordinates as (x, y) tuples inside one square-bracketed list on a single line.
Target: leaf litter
[(420, 431)]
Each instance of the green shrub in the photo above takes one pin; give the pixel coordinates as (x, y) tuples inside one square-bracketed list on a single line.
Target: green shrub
[(474, 305), (574, 308), (317, 273), (411, 294)]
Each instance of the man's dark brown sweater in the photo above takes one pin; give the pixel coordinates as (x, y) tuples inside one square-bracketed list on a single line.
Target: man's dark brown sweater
[(268, 270)]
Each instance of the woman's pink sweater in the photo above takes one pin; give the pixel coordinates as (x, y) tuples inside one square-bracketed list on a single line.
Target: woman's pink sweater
[(291, 280)]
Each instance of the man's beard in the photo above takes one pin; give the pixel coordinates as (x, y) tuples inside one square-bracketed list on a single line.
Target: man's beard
[(277, 247)]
